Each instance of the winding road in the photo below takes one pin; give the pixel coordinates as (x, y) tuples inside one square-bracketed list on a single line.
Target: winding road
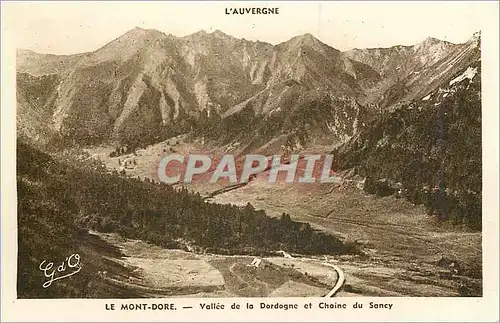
[(340, 280), (340, 275)]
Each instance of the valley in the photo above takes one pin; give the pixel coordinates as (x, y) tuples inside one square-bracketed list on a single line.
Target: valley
[(404, 246), (402, 217)]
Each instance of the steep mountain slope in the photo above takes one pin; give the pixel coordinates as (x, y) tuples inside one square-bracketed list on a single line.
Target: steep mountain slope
[(226, 70), (410, 71), (35, 98), (313, 91), (429, 150), (46, 231), (60, 198), (401, 61), (42, 64), (146, 85), (420, 83), (130, 88)]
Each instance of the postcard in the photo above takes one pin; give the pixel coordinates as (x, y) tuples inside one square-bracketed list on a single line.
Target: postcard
[(243, 161)]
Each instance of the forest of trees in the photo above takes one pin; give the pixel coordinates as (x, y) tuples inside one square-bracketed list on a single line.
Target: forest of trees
[(58, 200), (428, 151)]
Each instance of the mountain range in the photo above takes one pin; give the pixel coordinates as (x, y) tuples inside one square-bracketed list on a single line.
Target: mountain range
[(146, 86), (401, 122)]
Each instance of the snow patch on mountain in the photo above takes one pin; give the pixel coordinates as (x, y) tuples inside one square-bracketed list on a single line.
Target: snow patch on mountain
[(469, 73)]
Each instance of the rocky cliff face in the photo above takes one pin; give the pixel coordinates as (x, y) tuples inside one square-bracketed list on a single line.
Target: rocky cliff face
[(410, 71), (401, 61), (145, 86), (428, 149)]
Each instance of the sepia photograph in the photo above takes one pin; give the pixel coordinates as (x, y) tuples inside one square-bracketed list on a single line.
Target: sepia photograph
[(248, 149)]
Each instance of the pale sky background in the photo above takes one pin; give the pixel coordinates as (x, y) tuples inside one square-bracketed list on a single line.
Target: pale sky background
[(75, 27)]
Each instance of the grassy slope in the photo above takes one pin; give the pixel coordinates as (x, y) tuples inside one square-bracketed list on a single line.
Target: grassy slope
[(432, 148), (58, 203)]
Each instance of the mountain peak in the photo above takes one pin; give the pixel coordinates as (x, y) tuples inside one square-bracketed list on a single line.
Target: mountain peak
[(219, 33), (475, 40), (430, 41), (127, 45), (199, 33), (304, 40), (476, 36), (204, 34), (139, 32), (307, 39), (434, 44)]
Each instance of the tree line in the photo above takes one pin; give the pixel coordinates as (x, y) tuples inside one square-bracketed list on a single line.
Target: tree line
[(428, 152), (60, 198)]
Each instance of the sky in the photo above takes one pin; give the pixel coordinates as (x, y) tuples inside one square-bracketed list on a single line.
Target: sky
[(76, 27)]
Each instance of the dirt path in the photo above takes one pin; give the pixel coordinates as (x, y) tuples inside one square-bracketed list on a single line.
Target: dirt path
[(340, 275), (404, 246), (159, 272), (340, 281)]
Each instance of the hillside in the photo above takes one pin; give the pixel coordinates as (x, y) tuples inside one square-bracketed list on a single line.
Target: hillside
[(36, 64), (428, 150), (252, 97), (410, 72), (403, 123), (59, 200), (145, 85), (401, 61)]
